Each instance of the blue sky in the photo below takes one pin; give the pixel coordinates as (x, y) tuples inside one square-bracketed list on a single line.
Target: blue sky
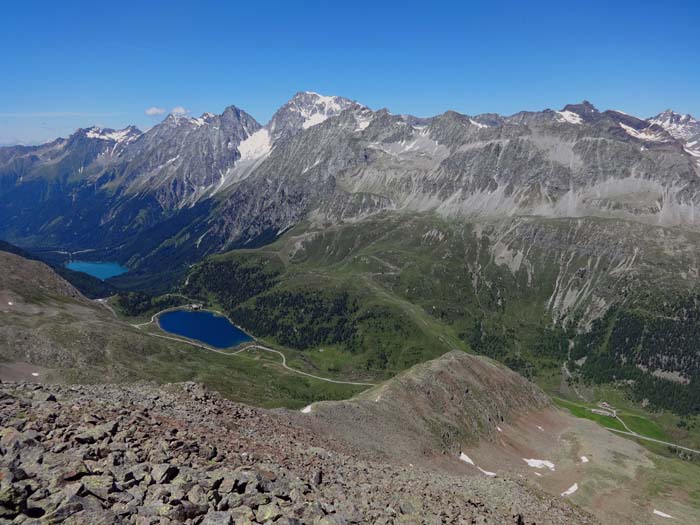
[(73, 64)]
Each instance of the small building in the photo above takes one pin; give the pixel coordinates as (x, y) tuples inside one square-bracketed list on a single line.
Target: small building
[(196, 307)]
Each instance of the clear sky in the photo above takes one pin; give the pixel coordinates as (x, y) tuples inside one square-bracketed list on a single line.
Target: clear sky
[(73, 64)]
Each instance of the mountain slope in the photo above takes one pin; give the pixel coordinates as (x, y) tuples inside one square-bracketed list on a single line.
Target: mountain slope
[(440, 406), (186, 455), (104, 189), (51, 333), (466, 415), (549, 164), (183, 159), (393, 290), (88, 285)]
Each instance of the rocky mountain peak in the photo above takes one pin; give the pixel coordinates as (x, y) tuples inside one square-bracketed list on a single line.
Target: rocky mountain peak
[(234, 116), (175, 120), (584, 108), (183, 159), (672, 116), (204, 119), (231, 116), (682, 127), (304, 110), (577, 113)]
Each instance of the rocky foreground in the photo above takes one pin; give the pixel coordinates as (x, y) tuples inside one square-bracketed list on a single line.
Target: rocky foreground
[(146, 455)]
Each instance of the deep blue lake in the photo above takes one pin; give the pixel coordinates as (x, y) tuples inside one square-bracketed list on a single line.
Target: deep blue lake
[(101, 270), (203, 326)]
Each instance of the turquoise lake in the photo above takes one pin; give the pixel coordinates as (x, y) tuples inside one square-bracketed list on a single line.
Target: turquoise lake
[(101, 270), (204, 326)]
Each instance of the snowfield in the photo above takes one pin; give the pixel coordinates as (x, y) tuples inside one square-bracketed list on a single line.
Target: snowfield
[(568, 492), (570, 117), (465, 458), (540, 463), (256, 145)]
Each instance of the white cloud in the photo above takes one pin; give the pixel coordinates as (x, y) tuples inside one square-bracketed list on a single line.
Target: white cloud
[(179, 111), (154, 110)]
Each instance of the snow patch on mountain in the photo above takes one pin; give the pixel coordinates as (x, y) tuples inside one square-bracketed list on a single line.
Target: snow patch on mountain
[(419, 145), (204, 119), (320, 109), (568, 492), (465, 458), (123, 135), (693, 152), (647, 134), (256, 145), (363, 120), (477, 124), (313, 120), (570, 117), (253, 150), (330, 102), (681, 127), (540, 463)]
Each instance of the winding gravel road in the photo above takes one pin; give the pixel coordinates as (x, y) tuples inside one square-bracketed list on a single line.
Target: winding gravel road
[(639, 436)]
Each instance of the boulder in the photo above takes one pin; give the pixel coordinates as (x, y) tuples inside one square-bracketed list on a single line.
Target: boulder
[(163, 472), (217, 518), (99, 486)]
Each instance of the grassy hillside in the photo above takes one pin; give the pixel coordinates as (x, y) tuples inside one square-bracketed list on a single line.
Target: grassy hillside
[(337, 322), (48, 326), (380, 295), (386, 294)]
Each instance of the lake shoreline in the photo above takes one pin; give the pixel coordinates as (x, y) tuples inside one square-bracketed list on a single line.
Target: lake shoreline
[(102, 270), (204, 326)]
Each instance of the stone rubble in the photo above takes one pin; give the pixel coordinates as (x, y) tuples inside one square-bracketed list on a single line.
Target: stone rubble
[(148, 455)]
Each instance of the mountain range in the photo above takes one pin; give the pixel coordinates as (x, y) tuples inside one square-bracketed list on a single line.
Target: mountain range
[(201, 185)]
